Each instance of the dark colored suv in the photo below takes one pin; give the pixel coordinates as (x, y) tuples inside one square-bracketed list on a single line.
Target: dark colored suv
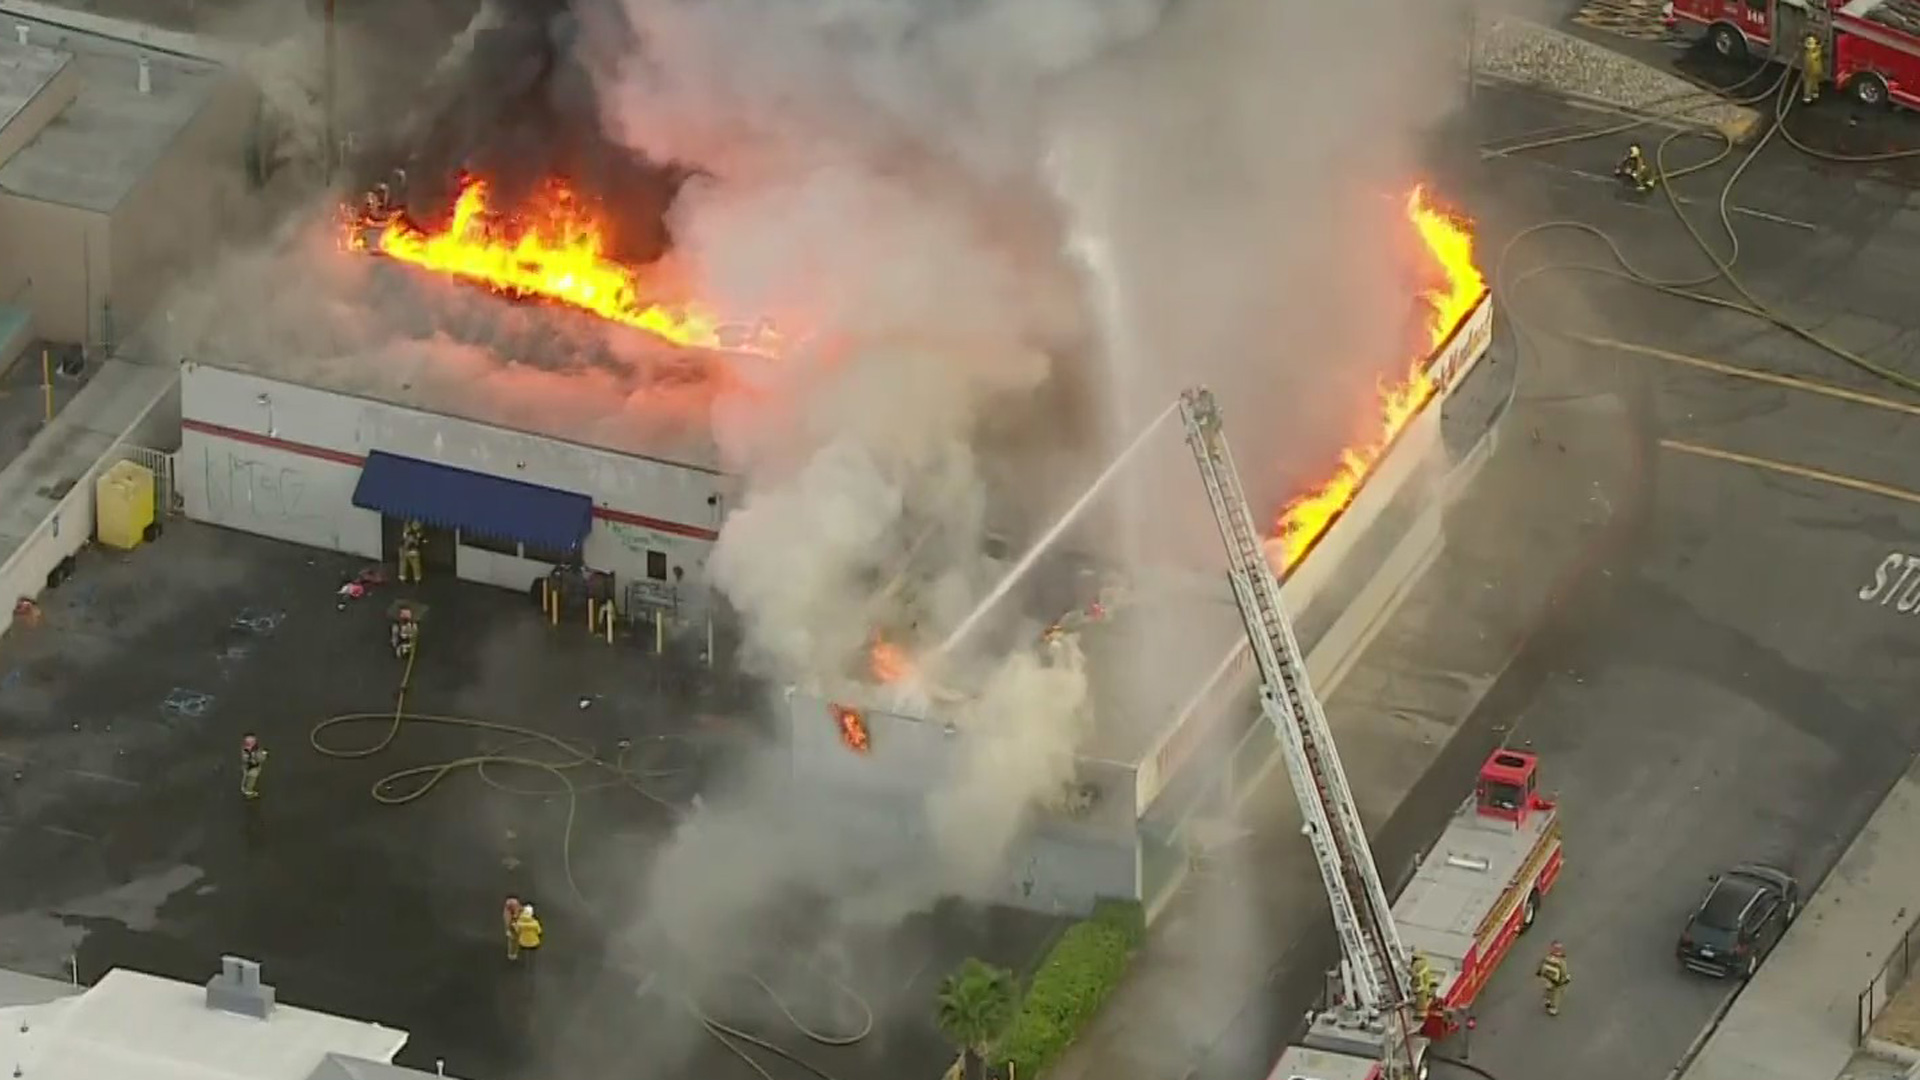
[(1739, 921)]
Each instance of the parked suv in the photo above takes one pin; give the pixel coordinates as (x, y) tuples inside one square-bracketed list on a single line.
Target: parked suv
[(1742, 917)]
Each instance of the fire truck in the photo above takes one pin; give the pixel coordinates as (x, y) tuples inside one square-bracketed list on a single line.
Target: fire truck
[(1872, 46), (1476, 890)]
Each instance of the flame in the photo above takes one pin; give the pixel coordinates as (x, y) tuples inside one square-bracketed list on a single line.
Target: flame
[(853, 729), (888, 662), (553, 250), (1449, 242)]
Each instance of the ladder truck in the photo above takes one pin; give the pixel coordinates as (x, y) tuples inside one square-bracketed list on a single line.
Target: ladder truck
[(1370, 1017), (1471, 895)]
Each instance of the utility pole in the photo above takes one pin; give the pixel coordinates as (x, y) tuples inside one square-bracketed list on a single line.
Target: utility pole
[(328, 92)]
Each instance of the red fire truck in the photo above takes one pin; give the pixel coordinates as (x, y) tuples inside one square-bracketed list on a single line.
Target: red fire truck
[(1872, 46), (1480, 885)]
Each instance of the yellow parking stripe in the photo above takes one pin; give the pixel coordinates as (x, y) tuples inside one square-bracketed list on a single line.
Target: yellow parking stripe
[(1785, 468), (1790, 382)]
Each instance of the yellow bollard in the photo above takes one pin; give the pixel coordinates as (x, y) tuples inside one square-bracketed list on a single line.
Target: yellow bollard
[(553, 613), (608, 610), (593, 613), (659, 632), (46, 380), (546, 595)]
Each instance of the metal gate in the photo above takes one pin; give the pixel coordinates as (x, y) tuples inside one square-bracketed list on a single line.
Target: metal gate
[(160, 463)]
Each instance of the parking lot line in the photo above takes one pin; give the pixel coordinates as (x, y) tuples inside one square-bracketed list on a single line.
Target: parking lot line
[(1787, 468), (1790, 382)]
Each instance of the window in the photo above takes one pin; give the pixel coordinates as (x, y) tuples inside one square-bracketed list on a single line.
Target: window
[(657, 565), (551, 555), (1724, 907), (488, 543)]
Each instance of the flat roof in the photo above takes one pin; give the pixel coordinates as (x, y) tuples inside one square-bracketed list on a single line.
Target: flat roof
[(24, 72), (132, 1024), (99, 148), (1152, 654), (360, 325)]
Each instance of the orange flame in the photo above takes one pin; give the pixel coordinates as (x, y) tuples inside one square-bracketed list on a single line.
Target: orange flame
[(1449, 241), (888, 662), (853, 729), (554, 250)]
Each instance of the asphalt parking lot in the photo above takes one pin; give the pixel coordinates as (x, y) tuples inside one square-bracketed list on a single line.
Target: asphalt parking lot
[(120, 718), (1739, 685)]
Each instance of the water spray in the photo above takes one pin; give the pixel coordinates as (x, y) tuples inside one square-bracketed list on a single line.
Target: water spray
[(1053, 534)]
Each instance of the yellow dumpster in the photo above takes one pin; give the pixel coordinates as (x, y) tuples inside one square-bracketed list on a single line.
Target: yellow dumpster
[(123, 505)]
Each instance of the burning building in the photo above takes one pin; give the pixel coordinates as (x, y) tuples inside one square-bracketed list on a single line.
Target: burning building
[(588, 444), (1176, 741)]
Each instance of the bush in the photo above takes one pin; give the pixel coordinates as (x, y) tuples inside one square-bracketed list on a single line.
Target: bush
[(1078, 975)]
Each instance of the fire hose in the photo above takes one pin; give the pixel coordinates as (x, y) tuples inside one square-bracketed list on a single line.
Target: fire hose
[(1723, 266), (567, 759)]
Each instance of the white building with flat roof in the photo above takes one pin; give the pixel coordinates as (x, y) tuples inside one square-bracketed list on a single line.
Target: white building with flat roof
[(134, 1025)]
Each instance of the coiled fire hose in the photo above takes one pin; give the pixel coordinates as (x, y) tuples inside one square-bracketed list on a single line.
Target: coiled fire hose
[(563, 763)]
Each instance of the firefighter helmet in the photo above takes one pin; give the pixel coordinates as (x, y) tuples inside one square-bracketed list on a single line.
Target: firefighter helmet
[(249, 742), (1556, 949)]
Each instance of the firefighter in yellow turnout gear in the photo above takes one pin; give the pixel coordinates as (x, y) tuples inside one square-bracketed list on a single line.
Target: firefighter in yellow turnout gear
[(413, 537), (1813, 69), (1554, 977), (1426, 983), (1634, 170)]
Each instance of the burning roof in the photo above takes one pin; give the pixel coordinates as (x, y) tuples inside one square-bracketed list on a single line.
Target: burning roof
[(552, 249)]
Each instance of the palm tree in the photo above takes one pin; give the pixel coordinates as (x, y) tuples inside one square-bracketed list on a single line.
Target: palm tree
[(975, 1005)]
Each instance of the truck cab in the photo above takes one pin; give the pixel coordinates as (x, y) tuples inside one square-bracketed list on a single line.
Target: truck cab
[(1761, 29), (1871, 47)]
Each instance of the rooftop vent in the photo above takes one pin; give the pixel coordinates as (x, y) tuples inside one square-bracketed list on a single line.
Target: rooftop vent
[(20, 32), (238, 989)]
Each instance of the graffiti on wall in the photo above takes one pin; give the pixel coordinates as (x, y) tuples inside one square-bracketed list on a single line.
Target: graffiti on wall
[(633, 538), (241, 486)]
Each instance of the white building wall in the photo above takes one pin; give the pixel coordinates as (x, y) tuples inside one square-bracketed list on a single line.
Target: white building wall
[(281, 460)]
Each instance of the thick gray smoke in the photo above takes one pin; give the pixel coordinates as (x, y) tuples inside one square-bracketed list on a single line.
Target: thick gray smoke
[(950, 207)]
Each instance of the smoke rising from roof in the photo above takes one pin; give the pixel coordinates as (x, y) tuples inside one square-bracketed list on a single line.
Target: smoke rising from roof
[(958, 207)]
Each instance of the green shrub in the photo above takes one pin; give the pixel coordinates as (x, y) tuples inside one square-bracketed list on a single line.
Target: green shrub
[(1078, 975)]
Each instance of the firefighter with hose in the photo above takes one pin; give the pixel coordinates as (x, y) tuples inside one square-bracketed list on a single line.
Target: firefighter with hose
[(404, 634), (253, 758), (1634, 170)]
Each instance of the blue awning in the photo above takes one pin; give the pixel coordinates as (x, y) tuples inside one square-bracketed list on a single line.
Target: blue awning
[(490, 506)]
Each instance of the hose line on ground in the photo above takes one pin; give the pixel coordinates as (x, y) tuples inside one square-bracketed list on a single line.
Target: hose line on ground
[(1782, 91), (569, 759)]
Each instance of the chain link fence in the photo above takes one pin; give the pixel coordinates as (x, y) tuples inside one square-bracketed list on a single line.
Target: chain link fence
[(1892, 976)]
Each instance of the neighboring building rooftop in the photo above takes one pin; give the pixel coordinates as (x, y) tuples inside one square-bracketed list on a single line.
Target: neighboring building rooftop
[(1151, 655), (135, 1025), (100, 146)]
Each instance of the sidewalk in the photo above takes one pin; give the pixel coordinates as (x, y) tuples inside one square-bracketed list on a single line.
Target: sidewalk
[(1218, 978), (1797, 1019)]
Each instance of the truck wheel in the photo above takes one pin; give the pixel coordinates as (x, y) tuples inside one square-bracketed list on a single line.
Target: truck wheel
[(1727, 42), (1529, 912), (1869, 90)]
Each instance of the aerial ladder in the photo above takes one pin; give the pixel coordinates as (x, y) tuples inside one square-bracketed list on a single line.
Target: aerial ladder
[(1370, 1007)]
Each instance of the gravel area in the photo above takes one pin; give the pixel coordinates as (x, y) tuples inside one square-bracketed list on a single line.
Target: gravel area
[(1519, 51), (1899, 1023)]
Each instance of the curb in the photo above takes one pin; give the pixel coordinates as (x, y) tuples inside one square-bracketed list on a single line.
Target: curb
[(1887, 1050), (1736, 130)]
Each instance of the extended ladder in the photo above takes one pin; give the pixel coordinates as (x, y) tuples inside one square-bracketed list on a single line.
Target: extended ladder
[(1377, 967)]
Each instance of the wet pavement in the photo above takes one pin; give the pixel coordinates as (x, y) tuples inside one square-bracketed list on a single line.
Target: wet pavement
[(1738, 686), (129, 845)]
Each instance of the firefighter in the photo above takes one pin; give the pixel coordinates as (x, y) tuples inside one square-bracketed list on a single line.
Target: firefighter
[(1813, 69), (413, 537), (1426, 983), (1554, 976), (526, 932), (1634, 170), (509, 917), (253, 757), (404, 634)]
